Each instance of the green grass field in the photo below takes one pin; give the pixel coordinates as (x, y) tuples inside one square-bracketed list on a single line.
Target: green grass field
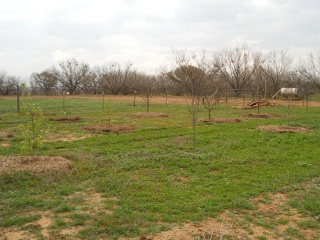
[(154, 178)]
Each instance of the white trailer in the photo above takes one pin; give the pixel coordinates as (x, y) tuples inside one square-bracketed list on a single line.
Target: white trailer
[(293, 93)]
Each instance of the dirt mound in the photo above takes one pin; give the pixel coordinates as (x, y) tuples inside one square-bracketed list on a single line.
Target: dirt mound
[(150, 115), (37, 164), (259, 115), (106, 128), (61, 119), (283, 129), (221, 120)]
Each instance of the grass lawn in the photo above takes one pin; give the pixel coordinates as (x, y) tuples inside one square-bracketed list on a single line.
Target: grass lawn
[(153, 178)]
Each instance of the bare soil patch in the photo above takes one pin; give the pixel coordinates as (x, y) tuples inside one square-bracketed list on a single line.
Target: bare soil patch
[(63, 119), (150, 115), (114, 128), (37, 164), (283, 129), (260, 115), (220, 120), (64, 136)]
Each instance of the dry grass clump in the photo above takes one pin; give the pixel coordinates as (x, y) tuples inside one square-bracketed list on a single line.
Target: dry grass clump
[(283, 129), (37, 164)]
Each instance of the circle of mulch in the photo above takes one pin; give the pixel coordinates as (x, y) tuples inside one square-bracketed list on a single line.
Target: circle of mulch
[(283, 129), (64, 119), (150, 115), (107, 128), (34, 164), (260, 115), (220, 120)]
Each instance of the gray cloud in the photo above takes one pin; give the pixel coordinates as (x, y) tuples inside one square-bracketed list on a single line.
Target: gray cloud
[(144, 32)]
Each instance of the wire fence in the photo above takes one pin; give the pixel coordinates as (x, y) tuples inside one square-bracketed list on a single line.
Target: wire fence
[(94, 103)]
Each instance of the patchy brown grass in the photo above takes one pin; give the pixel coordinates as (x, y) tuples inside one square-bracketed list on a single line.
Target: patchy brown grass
[(92, 203), (283, 129), (64, 136), (246, 224), (150, 115), (106, 128), (37, 164), (273, 209)]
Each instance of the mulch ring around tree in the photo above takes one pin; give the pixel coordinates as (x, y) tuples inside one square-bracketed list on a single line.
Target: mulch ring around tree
[(260, 115), (283, 129), (62, 119), (107, 128), (150, 115), (220, 120), (36, 164)]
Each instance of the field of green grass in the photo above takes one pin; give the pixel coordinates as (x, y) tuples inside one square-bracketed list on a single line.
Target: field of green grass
[(155, 177)]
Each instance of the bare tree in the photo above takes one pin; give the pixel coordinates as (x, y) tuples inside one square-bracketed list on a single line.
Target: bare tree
[(129, 79), (190, 72), (313, 68), (46, 81), (71, 75), (147, 85), (91, 83), (210, 102), (111, 78), (237, 66), (116, 79), (8, 83), (277, 66)]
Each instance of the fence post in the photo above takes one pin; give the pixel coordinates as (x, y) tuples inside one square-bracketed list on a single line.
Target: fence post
[(18, 98)]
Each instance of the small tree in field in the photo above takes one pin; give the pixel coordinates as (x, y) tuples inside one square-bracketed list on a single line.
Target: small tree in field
[(190, 73), (146, 88), (210, 102), (32, 129)]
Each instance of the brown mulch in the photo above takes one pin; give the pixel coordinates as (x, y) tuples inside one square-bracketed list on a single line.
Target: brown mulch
[(283, 129), (260, 115), (61, 119), (37, 164), (106, 128), (150, 115), (221, 120)]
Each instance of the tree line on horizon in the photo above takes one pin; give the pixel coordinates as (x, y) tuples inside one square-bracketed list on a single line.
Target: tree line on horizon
[(238, 70)]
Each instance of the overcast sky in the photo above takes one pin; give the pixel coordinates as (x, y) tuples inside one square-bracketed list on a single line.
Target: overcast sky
[(38, 34)]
